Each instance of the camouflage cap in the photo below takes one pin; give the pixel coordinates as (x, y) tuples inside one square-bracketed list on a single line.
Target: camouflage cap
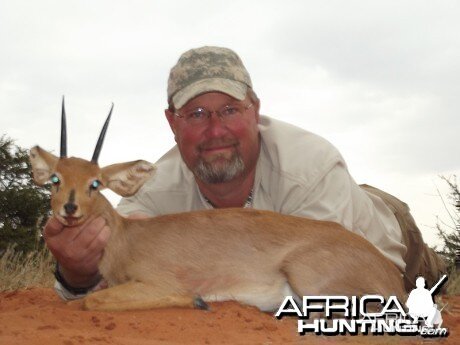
[(207, 69)]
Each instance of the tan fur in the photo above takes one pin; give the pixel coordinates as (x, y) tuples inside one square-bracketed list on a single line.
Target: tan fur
[(252, 256)]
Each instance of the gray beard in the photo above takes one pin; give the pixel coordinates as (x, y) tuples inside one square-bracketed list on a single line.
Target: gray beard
[(219, 173)]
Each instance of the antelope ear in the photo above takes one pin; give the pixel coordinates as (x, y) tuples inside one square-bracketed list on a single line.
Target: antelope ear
[(125, 179), (43, 164)]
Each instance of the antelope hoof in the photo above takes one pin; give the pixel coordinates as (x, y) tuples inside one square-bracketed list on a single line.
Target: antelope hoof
[(200, 304)]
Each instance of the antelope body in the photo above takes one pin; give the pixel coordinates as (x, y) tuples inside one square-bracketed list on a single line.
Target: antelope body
[(251, 256)]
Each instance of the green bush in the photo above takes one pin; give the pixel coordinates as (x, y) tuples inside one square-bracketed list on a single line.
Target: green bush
[(24, 207)]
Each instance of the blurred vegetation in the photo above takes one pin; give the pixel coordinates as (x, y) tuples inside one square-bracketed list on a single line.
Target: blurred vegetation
[(19, 270), (24, 207), (449, 233)]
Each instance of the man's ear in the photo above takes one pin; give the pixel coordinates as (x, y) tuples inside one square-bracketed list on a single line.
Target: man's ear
[(43, 164), (125, 179), (257, 108), (171, 117)]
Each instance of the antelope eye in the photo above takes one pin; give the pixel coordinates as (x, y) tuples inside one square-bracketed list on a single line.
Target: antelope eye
[(95, 184), (55, 180)]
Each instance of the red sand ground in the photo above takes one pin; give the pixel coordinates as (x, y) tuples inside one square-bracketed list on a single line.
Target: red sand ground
[(38, 316)]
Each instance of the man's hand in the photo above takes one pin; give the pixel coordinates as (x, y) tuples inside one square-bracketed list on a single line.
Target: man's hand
[(77, 249)]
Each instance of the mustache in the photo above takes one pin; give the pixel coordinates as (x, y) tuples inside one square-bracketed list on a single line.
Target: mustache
[(217, 143)]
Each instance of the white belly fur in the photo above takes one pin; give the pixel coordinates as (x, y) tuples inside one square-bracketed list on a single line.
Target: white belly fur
[(266, 298)]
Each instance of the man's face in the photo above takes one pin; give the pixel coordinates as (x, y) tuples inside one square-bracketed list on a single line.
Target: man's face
[(217, 151)]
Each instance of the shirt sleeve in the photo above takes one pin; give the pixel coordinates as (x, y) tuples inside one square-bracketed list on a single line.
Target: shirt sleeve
[(65, 294), (138, 203), (336, 197)]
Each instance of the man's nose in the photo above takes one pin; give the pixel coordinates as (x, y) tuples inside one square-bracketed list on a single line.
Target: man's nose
[(216, 125)]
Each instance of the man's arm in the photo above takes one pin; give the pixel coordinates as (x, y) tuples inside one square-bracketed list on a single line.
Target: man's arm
[(336, 197), (78, 251)]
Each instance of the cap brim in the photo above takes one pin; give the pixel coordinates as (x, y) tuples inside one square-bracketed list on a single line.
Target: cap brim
[(232, 88)]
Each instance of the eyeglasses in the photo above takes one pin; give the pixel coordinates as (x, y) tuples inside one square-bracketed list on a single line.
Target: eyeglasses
[(227, 114)]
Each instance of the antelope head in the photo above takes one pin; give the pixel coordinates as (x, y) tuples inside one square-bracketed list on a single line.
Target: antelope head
[(76, 183)]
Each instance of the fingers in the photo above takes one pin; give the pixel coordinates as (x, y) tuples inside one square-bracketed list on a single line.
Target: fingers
[(52, 228), (89, 230), (96, 247), (100, 239), (78, 249)]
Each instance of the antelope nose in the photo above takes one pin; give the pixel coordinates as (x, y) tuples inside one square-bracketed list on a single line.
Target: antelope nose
[(70, 208)]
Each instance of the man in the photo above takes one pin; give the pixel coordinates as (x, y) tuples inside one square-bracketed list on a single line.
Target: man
[(227, 155)]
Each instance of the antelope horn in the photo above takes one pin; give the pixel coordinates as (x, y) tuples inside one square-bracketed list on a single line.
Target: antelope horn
[(100, 141), (63, 132)]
